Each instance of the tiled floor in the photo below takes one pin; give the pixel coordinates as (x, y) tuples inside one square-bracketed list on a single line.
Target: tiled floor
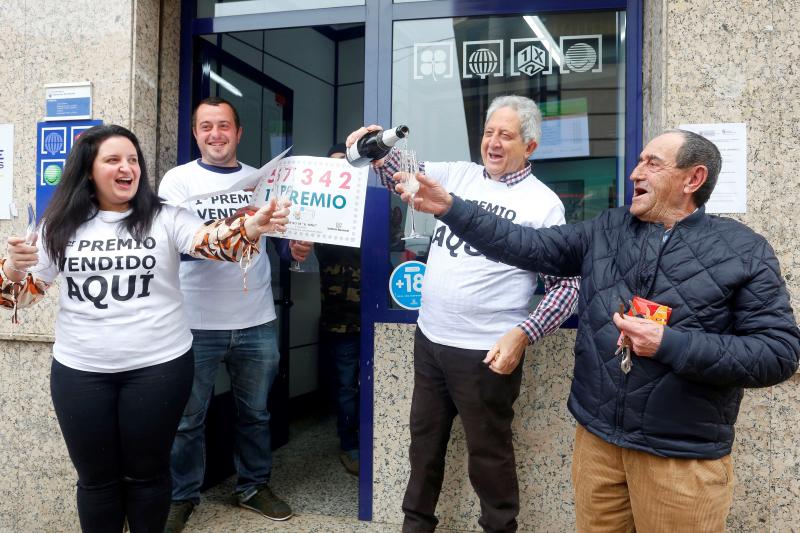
[(308, 475)]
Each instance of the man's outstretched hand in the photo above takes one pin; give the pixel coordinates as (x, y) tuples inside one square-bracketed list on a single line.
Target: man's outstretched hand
[(430, 198)]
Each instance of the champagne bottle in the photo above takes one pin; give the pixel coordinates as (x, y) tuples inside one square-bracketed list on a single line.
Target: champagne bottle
[(374, 145)]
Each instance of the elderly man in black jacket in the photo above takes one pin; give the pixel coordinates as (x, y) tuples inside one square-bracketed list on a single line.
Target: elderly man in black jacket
[(653, 442)]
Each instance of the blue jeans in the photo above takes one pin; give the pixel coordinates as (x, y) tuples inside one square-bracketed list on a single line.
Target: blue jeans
[(251, 357), (344, 349)]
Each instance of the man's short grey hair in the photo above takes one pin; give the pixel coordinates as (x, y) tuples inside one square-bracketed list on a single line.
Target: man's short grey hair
[(528, 112), (697, 150)]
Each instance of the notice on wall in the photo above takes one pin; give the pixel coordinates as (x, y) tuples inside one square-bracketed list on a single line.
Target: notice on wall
[(730, 193), (6, 170), (68, 101)]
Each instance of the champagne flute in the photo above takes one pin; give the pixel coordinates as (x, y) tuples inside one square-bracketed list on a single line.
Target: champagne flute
[(30, 232), (30, 235), (30, 229), (282, 189), (296, 266), (409, 168)]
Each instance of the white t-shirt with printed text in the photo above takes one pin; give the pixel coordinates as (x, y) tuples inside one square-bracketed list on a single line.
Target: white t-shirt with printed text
[(214, 290), (469, 301), (120, 303)]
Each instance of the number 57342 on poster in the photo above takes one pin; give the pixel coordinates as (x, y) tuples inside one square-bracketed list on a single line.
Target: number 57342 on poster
[(327, 197)]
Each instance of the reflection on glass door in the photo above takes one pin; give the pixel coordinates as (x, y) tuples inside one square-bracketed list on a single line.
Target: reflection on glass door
[(265, 106), (299, 87), (265, 112), (447, 71)]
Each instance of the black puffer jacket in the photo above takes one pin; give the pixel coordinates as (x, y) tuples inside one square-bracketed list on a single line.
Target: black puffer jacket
[(731, 325)]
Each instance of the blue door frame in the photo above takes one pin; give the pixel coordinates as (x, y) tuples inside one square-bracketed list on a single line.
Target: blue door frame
[(378, 17)]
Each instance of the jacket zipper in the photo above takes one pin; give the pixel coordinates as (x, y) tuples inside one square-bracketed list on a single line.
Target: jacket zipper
[(620, 411)]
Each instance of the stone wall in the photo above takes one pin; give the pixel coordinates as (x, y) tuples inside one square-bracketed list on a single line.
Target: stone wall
[(116, 46)]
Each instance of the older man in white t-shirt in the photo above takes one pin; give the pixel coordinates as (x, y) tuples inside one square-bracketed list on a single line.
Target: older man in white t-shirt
[(474, 323)]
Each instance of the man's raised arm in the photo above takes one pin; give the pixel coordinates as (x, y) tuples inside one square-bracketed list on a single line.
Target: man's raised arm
[(556, 251)]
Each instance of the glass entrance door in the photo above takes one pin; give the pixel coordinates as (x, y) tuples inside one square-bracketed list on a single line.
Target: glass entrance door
[(265, 109), (300, 87)]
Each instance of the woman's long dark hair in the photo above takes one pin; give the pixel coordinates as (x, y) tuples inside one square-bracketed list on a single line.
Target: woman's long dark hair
[(75, 202)]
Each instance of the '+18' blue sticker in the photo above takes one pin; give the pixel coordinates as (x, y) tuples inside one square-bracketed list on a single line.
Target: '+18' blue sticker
[(405, 284)]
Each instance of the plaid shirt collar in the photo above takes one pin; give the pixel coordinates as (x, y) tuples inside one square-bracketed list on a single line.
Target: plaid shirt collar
[(512, 178)]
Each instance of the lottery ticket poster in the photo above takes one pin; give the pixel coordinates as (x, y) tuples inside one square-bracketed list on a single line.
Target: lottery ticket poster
[(327, 198)]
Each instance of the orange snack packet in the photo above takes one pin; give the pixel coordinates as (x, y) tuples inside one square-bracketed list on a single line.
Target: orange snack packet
[(646, 309), (652, 310)]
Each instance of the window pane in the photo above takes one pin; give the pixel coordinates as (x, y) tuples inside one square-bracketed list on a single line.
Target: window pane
[(447, 71)]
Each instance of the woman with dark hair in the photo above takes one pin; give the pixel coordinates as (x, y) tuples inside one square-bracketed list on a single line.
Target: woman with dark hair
[(122, 361)]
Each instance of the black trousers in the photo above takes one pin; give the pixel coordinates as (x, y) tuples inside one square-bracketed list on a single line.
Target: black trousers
[(448, 382), (119, 429)]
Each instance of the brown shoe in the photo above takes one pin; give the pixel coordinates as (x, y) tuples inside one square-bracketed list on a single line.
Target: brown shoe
[(349, 460)]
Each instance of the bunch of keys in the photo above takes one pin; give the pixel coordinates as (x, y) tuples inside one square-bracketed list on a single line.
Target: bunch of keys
[(639, 307), (625, 347)]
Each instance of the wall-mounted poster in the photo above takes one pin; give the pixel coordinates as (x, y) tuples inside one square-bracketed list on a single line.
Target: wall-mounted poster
[(730, 193), (6, 170)]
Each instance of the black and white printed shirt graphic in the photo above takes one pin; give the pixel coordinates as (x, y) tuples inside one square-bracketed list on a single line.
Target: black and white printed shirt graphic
[(469, 301), (120, 302)]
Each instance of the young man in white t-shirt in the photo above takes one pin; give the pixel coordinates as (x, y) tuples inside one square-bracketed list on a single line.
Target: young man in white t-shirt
[(228, 324), (474, 323)]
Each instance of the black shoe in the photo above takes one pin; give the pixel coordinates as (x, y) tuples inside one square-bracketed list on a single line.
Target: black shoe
[(179, 513), (267, 504)]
